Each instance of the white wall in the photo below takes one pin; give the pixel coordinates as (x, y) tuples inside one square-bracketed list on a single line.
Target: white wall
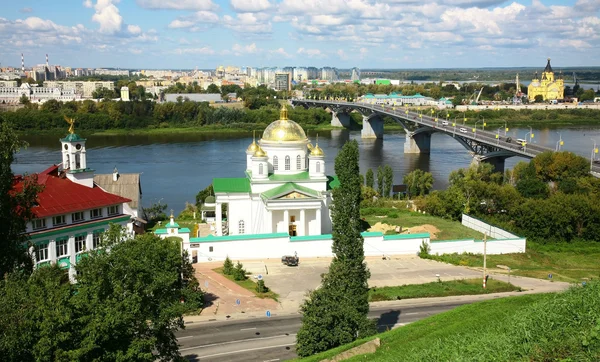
[(485, 228), (505, 246)]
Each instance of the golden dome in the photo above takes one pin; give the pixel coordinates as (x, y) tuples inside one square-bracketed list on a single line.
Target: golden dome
[(284, 130), (260, 152), (253, 146), (317, 151)]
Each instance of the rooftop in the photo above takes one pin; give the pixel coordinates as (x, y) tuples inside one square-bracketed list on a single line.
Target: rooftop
[(127, 185)]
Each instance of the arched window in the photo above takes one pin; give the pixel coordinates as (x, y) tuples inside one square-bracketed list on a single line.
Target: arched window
[(260, 168), (287, 163), (241, 227), (318, 166), (298, 162), (275, 163)]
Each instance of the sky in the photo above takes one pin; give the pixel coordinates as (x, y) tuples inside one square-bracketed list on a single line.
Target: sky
[(395, 34)]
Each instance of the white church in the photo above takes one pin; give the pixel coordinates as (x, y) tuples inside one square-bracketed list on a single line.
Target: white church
[(285, 189), (282, 207)]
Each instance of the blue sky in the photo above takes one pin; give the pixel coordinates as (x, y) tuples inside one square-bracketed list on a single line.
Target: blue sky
[(174, 34)]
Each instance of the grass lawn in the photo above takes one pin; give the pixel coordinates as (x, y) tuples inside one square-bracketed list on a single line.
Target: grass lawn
[(440, 289), (463, 321), (573, 262), (401, 216), (250, 285)]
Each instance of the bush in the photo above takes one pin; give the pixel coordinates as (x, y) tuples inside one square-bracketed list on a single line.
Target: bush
[(261, 287), (392, 214), (424, 249), (239, 273), (228, 266)]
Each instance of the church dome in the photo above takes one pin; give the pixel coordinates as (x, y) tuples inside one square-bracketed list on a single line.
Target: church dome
[(317, 151), (209, 200), (260, 152), (284, 130)]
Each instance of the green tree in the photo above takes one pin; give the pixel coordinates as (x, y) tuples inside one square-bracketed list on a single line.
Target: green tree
[(129, 301), (15, 205), (203, 194), (227, 266), (154, 213), (24, 100), (336, 313), (388, 180), (539, 98), (369, 178), (213, 88), (380, 177), (239, 273)]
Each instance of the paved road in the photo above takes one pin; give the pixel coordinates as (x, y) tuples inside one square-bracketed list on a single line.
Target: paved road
[(273, 339)]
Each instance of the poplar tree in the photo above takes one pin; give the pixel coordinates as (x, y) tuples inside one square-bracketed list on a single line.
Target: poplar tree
[(380, 180), (370, 178), (336, 313), (388, 180)]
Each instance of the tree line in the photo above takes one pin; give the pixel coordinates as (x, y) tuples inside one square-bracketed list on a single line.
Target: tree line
[(109, 114), (552, 198)]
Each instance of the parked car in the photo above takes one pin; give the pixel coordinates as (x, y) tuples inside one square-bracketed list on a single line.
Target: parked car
[(290, 260)]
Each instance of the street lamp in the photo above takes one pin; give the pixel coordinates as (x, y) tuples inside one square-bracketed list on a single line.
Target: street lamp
[(498, 135), (560, 142), (594, 151), (530, 133), (475, 128), (505, 128)]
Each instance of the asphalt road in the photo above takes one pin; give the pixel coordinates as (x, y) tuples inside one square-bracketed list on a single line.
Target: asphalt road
[(273, 339)]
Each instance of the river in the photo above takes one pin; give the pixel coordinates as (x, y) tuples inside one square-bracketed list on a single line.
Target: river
[(175, 167)]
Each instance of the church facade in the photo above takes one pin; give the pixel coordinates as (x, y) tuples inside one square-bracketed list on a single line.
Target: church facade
[(285, 188), (547, 86)]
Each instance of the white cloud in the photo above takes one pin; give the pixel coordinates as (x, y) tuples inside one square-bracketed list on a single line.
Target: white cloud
[(135, 51), (107, 16), (250, 6), (574, 43), (26, 10), (134, 29), (280, 52), (88, 3), (311, 53), (177, 24), (341, 54), (248, 23), (199, 51), (178, 4), (247, 49)]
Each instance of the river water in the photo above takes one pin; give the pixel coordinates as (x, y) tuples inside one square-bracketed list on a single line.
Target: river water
[(175, 167)]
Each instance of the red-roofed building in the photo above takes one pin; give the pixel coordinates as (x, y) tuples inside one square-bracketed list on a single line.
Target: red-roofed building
[(72, 211)]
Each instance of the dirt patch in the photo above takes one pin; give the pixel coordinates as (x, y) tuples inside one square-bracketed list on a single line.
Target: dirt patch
[(365, 348), (425, 228)]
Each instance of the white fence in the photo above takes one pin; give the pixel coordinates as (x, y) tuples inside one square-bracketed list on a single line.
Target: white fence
[(485, 228)]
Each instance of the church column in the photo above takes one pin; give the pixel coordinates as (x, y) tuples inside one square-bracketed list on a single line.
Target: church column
[(318, 221), (219, 220), (52, 251), (302, 229), (286, 221)]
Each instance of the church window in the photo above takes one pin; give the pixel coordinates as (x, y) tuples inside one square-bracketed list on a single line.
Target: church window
[(39, 224), (241, 229), (298, 162), (210, 249), (79, 243), (41, 251), (59, 220), (260, 168), (62, 247), (275, 163), (318, 166), (287, 163), (77, 161), (96, 239), (95, 213), (77, 216)]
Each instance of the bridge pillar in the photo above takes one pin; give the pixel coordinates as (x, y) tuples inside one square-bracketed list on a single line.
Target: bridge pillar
[(417, 143), (372, 127), (340, 119), (497, 162)]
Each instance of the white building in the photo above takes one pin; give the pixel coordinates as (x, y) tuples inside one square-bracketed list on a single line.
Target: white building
[(72, 212), (84, 89), (36, 94)]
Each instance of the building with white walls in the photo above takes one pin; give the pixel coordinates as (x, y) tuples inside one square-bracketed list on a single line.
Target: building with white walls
[(285, 189)]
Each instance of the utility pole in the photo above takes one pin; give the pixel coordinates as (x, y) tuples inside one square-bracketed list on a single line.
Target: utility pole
[(484, 257)]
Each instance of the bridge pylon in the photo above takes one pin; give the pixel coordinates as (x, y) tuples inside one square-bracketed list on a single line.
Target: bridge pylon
[(340, 119), (372, 126), (417, 142)]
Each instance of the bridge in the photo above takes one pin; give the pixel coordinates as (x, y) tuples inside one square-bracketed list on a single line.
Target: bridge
[(484, 146)]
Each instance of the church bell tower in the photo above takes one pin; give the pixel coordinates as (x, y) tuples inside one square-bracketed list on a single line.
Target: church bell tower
[(74, 161)]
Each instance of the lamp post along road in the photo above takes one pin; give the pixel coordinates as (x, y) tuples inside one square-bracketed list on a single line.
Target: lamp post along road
[(594, 151)]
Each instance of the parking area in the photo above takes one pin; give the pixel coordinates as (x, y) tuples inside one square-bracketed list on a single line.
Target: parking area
[(292, 283)]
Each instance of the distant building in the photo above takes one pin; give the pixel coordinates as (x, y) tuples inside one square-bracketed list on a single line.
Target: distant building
[(125, 93), (83, 88), (36, 94), (194, 97), (283, 82), (546, 86)]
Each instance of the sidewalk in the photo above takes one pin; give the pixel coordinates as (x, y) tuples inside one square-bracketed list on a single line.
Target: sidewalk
[(221, 295)]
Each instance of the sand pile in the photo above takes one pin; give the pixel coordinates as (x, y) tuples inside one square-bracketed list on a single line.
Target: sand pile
[(426, 228)]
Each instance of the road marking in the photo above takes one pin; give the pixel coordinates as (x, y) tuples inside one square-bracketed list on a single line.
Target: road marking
[(247, 329), (273, 360), (412, 313), (185, 337), (240, 340), (246, 350)]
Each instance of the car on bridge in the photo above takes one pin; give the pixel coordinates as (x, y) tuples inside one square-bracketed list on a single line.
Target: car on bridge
[(444, 123), (463, 130), (521, 141)]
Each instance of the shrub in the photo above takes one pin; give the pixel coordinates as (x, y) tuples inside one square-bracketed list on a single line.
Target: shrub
[(424, 249), (261, 287), (228, 266), (239, 273)]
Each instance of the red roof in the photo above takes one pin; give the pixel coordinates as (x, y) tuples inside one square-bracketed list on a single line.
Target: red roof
[(61, 195)]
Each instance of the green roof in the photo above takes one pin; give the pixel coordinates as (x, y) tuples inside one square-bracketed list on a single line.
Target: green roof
[(240, 184), (286, 189), (332, 182), (184, 230), (160, 231), (295, 177), (213, 239), (72, 137), (405, 236), (173, 225)]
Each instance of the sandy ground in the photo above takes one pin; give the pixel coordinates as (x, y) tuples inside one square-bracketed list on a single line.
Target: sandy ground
[(425, 228)]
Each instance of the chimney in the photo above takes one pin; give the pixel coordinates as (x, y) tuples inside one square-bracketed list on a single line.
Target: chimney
[(115, 175), (47, 66), (22, 63)]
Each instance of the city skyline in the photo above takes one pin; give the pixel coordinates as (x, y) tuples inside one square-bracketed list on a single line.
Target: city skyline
[(261, 33)]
